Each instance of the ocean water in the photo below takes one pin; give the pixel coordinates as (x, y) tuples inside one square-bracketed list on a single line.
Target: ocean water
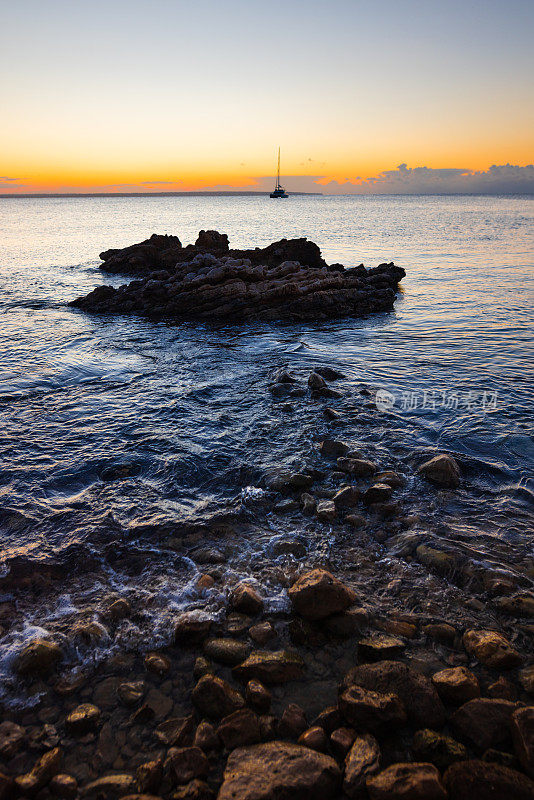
[(187, 406)]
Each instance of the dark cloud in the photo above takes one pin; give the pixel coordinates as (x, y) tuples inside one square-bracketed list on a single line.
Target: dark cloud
[(149, 183), (5, 179)]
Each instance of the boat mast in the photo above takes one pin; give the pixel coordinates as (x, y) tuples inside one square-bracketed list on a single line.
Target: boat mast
[(278, 177)]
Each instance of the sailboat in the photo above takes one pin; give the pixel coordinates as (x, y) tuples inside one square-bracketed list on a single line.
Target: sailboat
[(279, 191)]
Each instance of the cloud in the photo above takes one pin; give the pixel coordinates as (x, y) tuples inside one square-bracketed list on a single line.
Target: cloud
[(150, 183), (5, 179)]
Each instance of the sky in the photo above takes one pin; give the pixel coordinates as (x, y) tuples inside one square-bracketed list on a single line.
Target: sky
[(363, 96)]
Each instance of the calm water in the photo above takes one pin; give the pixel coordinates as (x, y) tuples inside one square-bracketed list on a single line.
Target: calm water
[(188, 404)]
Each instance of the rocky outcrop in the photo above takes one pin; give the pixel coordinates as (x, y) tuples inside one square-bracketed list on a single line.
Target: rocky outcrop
[(286, 280)]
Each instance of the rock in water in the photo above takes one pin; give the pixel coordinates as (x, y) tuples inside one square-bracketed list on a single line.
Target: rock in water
[(442, 470), (279, 770), (318, 594), (408, 781), (287, 280)]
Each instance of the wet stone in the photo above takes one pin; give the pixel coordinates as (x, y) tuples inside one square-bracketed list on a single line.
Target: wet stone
[(206, 737), (378, 493), (293, 722), (11, 739), (215, 698), (434, 747), (38, 658), (332, 448), (442, 470), (258, 696), (315, 738), (194, 790), (271, 667), (109, 786), (328, 719), (326, 511), (120, 609), (186, 763), (318, 594), (361, 762), (479, 780), (484, 722), (341, 740), (367, 710), (246, 599), (456, 685), (226, 651), (411, 781), (262, 632), (491, 649), (149, 776), (64, 786), (380, 646), (192, 627), (160, 703), (441, 631), (347, 497), (177, 731), (522, 724), (82, 719), (132, 692), (502, 689), (42, 773), (239, 729), (158, 664), (526, 679), (359, 467)]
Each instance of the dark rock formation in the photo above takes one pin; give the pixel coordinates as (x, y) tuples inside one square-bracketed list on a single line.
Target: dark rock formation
[(286, 280)]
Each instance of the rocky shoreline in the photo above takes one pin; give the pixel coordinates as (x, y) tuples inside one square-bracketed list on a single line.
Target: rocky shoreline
[(288, 280), (335, 696)]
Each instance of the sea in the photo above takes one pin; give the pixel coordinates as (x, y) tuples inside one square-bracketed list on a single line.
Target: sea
[(184, 409)]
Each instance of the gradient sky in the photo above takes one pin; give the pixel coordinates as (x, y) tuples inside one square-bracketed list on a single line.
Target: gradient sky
[(177, 95)]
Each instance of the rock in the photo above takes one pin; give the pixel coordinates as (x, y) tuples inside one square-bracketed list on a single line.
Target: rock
[(149, 776), (105, 693), (226, 651), (491, 649), (205, 583), (331, 414), (493, 756), (380, 646), (378, 493), (194, 790), (330, 374), (347, 623), (268, 727), (526, 679), (441, 631), (392, 479), (206, 737), (440, 750), (157, 664), (522, 605), (417, 693), (82, 719), (315, 738), (358, 467), (239, 729), (326, 511), (318, 594), (293, 722), (347, 497), (109, 786), (258, 696), (332, 448), (38, 658), (131, 693), (309, 504), (160, 703), (522, 724), (236, 623), (176, 732), (120, 609), (316, 382), (282, 480), (502, 689), (355, 520), (398, 627), (212, 242), (479, 780), (246, 599), (362, 761), (279, 770), (186, 763), (328, 719), (64, 786), (11, 739), (484, 722), (192, 626), (90, 633), (215, 698), (7, 787), (434, 558), (341, 740), (371, 711), (456, 685), (407, 782), (261, 633), (441, 470), (42, 773), (277, 666)]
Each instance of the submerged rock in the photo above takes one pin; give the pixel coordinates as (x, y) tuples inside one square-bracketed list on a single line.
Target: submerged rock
[(286, 280), (318, 594), (442, 470), (279, 770), (38, 658), (271, 667)]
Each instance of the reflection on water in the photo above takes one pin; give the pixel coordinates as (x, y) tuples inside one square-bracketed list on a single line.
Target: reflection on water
[(186, 407)]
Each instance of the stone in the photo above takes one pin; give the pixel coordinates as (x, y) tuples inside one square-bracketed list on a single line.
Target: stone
[(392, 479), (526, 679), (347, 497), (132, 692), (367, 710), (82, 719), (318, 594), (293, 722), (110, 786), (358, 467), (239, 729), (380, 646), (158, 664), (480, 780), (279, 770), (441, 631), (440, 750), (236, 623), (484, 722), (160, 703), (11, 738), (206, 737), (411, 781), (434, 558), (215, 698), (261, 633), (176, 731), (271, 666), (120, 609), (192, 626), (194, 790), (246, 599), (521, 605), (415, 690), (315, 738), (332, 448), (355, 521), (105, 694), (7, 787), (226, 651), (205, 583), (212, 242), (347, 623), (186, 763), (398, 627), (491, 649), (502, 689), (268, 727), (378, 493), (456, 685), (42, 773), (38, 658), (330, 374), (326, 511), (442, 470), (258, 696), (362, 761), (328, 719), (522, 724), (316, 382), (341, 740), (309, 505), (64, 786), (149, 776), (90, 633)]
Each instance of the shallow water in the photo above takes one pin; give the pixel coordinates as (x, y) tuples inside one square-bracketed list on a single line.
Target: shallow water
[(188, 406)]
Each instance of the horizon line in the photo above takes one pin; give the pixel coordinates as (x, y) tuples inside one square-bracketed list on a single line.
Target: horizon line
[(43, 195)]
